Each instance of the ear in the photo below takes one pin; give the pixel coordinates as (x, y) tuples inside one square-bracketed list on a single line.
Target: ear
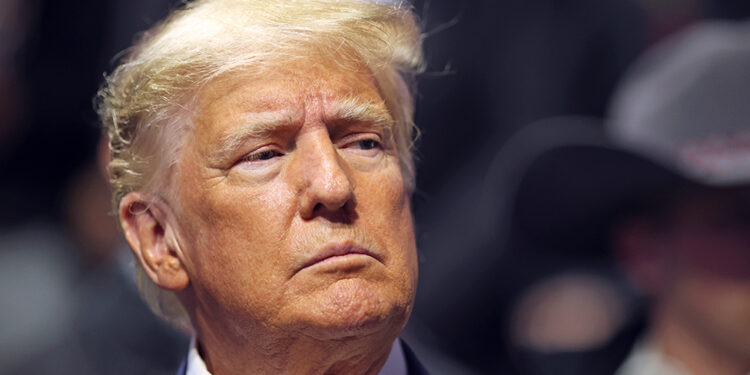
[(638, 252), (146, 226)]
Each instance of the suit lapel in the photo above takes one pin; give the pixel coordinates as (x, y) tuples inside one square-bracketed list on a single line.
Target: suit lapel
[(183, 367), (413, 366)]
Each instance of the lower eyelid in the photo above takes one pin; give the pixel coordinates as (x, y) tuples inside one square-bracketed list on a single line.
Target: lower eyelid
[(369, 153)]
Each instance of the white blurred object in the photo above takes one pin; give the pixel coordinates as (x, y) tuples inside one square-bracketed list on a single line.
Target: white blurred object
[(648, 359), (568, 312)]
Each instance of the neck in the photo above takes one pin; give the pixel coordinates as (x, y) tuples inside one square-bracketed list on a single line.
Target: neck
[(680, 341), (228, 354)]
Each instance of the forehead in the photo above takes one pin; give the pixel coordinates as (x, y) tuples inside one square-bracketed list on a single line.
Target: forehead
[(289, 87)]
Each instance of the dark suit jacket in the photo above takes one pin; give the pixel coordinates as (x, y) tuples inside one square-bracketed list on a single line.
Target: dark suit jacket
[(413, 366)]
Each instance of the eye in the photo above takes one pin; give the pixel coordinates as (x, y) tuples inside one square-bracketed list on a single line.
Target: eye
[(262, 155), (367, 144)]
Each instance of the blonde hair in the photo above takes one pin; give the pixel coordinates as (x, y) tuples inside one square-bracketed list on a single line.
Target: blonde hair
[(145, 104)]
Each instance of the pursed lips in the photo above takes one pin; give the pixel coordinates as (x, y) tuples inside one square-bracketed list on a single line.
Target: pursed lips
[(338, 249)]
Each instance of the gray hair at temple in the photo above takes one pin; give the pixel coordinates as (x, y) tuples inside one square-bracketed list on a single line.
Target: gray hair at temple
[(146, 105)]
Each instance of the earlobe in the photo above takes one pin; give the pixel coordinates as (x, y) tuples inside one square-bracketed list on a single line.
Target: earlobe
[(152, 239)]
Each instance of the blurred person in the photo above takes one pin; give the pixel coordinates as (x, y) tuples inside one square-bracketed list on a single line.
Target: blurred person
[(44, 266), (262, 173), (38, 260), (62, 285), (500, 65), (666, 187), (102, 300)]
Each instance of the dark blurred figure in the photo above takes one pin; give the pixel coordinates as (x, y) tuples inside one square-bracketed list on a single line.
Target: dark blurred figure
[(494, 66), (53, 136), (107, 328), (667, 190), (568, 310), (67, 290), (14, 24)]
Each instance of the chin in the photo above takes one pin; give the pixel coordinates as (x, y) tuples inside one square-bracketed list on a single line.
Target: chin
[(354, 307)]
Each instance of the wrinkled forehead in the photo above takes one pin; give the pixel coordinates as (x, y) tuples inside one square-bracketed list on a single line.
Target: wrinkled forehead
[(284, 93), (269, 87)]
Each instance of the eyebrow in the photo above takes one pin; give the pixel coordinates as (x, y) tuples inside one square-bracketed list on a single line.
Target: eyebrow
[(354, 109), (257, 125)]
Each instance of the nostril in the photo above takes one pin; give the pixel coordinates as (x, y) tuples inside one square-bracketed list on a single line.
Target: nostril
[(343, 214)]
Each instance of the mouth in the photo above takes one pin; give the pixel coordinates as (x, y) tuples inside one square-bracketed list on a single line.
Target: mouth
[(344, 250)]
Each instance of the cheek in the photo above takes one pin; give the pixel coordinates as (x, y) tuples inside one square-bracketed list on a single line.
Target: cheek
[(235, 231), (236, 250), (386, 208)]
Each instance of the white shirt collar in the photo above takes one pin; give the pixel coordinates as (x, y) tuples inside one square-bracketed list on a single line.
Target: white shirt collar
[(647, 358), (394, 365), (195, 364)]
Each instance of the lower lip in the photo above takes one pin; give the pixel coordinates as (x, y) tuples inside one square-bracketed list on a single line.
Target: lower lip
[(343, 262)]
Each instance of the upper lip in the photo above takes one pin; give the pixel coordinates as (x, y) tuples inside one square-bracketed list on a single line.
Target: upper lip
[(337, 249)]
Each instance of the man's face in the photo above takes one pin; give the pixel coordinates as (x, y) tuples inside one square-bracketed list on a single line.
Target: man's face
[(291, 207)]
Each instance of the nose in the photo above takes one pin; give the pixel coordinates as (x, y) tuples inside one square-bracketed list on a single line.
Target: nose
[(327, 187)]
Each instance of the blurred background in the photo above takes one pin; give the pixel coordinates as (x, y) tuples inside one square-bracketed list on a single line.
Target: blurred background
[(486, 303)]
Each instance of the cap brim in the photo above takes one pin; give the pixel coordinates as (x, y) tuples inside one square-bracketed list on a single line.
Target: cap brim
[(570, 193), (567, 193)]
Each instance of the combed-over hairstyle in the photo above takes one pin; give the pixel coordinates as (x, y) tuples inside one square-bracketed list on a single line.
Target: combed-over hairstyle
[(145, 104)]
